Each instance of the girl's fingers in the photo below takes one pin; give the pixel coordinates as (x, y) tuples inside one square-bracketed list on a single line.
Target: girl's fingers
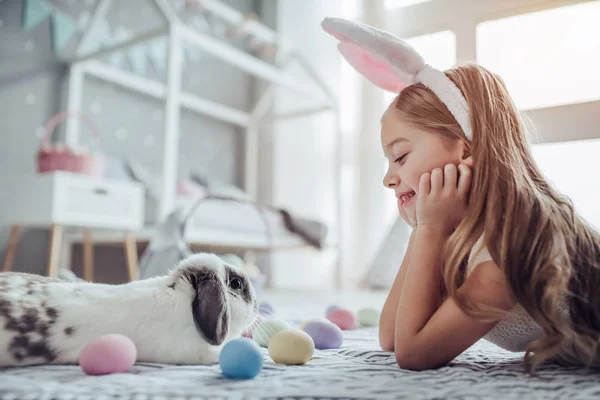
[(437, 180), (464, 182), (425, 184), (450, 176)]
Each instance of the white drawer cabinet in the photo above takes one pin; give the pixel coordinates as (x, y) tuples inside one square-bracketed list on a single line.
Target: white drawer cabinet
[(64, 199), (70, 199)]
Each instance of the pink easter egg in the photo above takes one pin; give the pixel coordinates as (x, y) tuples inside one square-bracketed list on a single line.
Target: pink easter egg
[(343, 318), (108, 354), (331, 308)]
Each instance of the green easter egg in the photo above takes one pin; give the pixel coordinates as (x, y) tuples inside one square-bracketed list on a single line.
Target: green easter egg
[(368, 317), (268, 328), (233, 259), (251, 270)]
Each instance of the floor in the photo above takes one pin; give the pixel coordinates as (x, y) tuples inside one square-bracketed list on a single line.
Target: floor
[(352, 300)]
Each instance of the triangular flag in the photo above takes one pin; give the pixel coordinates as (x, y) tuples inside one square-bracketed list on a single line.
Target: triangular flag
[(116, 59), (63, 28), (96, 37), (34, 12)]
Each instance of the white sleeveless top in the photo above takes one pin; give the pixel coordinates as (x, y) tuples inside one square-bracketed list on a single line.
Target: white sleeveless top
[(517, 329)]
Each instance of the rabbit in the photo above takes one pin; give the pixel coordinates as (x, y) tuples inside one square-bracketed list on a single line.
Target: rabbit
[(184, 317)]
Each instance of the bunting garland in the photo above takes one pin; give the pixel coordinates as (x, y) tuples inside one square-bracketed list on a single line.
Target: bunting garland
[(64, 26), (34, 12)]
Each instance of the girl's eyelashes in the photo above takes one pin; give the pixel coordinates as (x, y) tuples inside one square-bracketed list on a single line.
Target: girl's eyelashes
[(401, 158)]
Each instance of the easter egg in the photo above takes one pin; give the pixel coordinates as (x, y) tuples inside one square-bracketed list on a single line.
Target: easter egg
[(108, 354), (331, 308), (264, 332), (368, 317), (241, 359), (233, 259), (251, 270), (302, 325), (291, 347), (325, 334), (248, 332), (343, 318), (266, 309)]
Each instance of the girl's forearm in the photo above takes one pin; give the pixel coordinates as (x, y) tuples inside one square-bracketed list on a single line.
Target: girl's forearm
[(387, 321), (419, 300)]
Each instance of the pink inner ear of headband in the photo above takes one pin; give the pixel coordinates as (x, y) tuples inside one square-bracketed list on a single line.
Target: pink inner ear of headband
[(374, 68), (392, 64)]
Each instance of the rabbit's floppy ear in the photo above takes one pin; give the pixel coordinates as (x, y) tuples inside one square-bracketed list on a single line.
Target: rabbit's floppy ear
[(384, 59), (209, 307)]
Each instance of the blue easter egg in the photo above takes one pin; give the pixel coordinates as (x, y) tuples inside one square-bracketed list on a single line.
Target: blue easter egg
[(241, 359)]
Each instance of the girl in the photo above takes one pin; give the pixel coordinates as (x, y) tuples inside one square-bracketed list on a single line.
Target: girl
[(495, 252)]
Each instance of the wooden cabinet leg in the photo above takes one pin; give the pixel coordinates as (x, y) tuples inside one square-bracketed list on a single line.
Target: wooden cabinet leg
[(88, 256), (54, 250), (132, 257), (11, 247)]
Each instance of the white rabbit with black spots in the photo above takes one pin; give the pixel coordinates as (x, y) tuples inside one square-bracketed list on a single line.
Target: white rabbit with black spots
[(184, 317)]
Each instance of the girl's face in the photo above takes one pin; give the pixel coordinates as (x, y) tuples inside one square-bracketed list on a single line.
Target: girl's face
[(410, 153)]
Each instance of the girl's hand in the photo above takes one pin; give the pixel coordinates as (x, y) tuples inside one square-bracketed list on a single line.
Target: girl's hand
[(443, 197)]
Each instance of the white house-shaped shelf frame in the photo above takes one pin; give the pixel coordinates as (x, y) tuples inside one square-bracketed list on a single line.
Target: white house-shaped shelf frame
[(178, 34)]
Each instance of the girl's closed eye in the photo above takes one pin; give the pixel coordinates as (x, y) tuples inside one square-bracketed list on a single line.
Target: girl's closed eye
[(401, 158)]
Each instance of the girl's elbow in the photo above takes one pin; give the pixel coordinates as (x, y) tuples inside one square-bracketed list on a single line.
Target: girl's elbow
[(413, 360), (386, 345), (386, 336), (386, 342), (406, 360)]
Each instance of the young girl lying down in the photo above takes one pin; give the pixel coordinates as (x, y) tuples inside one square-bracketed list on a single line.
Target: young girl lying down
[(495, 251)]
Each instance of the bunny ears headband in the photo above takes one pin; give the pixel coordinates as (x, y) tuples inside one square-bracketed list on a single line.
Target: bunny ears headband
[(392, 64)]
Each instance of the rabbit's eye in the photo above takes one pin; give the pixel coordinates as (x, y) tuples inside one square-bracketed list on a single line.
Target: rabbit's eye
[(236, 283)]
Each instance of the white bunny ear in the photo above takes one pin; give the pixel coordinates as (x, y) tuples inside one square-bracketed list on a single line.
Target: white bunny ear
[(392, 64), (384, 59)]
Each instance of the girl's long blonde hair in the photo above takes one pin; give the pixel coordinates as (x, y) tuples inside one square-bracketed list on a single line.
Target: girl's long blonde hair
[(547, 252)]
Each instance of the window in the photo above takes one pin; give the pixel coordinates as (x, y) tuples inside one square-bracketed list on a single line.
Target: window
[(568, 166), (546, 58), (402, 3), (439, 49)]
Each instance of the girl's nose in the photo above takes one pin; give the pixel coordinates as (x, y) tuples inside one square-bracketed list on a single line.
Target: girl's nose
[(390, 181)]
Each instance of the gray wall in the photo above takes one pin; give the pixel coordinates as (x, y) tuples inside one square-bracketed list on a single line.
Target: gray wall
[(131, 125)]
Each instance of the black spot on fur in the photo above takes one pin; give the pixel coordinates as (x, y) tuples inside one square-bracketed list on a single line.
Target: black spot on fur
[(43, 330), (22, 347), (52, 313), (30, 292), (244, 291), (172, 286), (5, 307), (25, 324), (69, 330)]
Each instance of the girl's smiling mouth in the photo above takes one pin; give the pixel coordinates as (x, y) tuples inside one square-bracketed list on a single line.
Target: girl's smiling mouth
[(405, 197)]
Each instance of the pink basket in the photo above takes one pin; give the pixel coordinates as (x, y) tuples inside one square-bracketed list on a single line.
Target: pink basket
[(59, 157)]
